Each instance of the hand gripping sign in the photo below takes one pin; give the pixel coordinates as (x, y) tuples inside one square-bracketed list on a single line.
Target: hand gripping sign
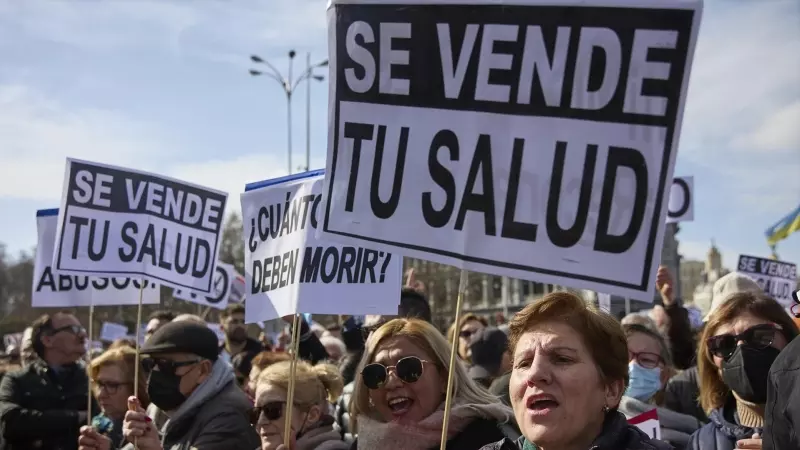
[(115, 221), (54, 289), (288, 270), (531, 139)]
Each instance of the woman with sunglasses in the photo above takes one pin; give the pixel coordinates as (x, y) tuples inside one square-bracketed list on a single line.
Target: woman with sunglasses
[(316, 389), (398, 401), (570, 368), (463, 331), (111, 375), (740, 342), (649, 369)]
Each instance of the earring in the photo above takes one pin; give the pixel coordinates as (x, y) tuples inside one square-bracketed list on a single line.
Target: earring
[(606, 409), (370, 403)]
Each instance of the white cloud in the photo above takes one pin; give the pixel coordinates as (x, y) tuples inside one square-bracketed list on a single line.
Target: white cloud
[(38, 134), (779, 132)]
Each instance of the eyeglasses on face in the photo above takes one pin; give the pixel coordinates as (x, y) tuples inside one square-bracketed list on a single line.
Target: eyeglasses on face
[(466, 334), (408, 370), (77, 330), (270, 411), (165, 365), (758, 337), (111, 387), (646, 359)]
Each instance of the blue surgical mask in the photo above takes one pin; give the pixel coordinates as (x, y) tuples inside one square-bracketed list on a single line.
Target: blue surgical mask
[(644, 383)]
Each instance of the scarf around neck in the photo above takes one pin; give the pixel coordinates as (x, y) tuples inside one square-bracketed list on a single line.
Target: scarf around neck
[(221, 376), (427, 433)]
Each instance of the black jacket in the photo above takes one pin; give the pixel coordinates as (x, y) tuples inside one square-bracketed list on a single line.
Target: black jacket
[(617, 434), (782, 418), (722, 432), (42, 410), (475, 436), (682, 392)]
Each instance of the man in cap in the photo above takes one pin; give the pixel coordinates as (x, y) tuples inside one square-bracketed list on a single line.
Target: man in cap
[(195, 389)]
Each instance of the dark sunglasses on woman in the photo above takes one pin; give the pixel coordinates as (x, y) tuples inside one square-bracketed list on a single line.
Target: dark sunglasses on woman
[(758, 337), (271, 411), (408, 370)]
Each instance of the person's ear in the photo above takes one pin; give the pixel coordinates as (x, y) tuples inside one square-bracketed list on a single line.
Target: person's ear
[(614, 392), (314, 414), (205, 371)]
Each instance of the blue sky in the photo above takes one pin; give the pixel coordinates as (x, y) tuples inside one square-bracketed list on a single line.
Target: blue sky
[(163, 86)]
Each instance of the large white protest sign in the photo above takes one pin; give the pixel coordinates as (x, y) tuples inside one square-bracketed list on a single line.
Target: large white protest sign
[(288, 269), (648, 422), (220, 292), (777, 278), (115, 221), (517, 138), (54, 289), (681, 200)]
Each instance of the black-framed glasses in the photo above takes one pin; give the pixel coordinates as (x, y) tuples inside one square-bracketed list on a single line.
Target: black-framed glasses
[(112, 387), (646, 359), (758, 337), (165, 365), (408, 370), (271, 411), (77, 330)]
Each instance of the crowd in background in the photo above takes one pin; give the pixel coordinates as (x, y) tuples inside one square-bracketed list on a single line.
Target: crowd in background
[(561, 374)]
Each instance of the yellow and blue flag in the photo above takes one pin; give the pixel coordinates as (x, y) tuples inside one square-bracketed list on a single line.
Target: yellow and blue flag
[(784, 227)]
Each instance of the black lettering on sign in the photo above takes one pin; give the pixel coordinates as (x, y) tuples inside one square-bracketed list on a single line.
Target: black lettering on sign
[(686, 196), (65, 283), (190, 255), (219, 288), (620, 65), (115, 190)]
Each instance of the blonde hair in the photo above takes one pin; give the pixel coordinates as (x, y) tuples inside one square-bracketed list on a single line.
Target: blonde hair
[(426, 337), (713, 391), (314, 385), (125, 359), (455, 328)]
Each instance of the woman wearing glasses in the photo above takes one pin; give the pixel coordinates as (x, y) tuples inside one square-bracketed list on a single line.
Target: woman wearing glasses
[(649, 368), (316, 389), (111, 375), (398, 401), (741, 340)]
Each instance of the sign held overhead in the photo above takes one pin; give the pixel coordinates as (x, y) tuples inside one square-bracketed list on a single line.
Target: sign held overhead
[(778, 279), (525, 139), (116, 221), (681, 200)]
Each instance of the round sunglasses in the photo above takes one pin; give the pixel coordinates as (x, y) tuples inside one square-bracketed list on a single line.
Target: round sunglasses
[(408, 370), (758, 337)]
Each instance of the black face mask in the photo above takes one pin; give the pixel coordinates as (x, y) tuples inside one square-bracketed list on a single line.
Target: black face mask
[(746, 372), (164, 390)]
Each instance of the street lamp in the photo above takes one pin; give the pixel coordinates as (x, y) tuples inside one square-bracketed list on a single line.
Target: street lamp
[(289, 85)]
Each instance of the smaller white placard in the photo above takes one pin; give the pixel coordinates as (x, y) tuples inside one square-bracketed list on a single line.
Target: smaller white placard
[(778, 279), (648, 422), (681, 200), (111, 331), (217, 328), (288, 269), (220, 290)]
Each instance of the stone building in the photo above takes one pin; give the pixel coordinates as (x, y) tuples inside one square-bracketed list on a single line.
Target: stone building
[(691, 277)]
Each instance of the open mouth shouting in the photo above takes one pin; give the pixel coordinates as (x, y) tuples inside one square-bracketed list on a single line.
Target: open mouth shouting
[(541, 404)]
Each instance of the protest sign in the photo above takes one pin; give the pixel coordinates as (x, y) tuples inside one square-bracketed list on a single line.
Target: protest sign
[(681, 200), (111, 331), (115, 221), (289, 270), (220, 292), (521, 138), (54, 289), (238, 288), (778, 279), (648, 422)]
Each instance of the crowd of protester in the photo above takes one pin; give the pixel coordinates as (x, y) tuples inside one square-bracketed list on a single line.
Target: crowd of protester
[(560, 375)]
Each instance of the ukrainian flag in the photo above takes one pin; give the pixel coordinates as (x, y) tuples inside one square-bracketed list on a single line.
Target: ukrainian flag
[(784, 227)]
